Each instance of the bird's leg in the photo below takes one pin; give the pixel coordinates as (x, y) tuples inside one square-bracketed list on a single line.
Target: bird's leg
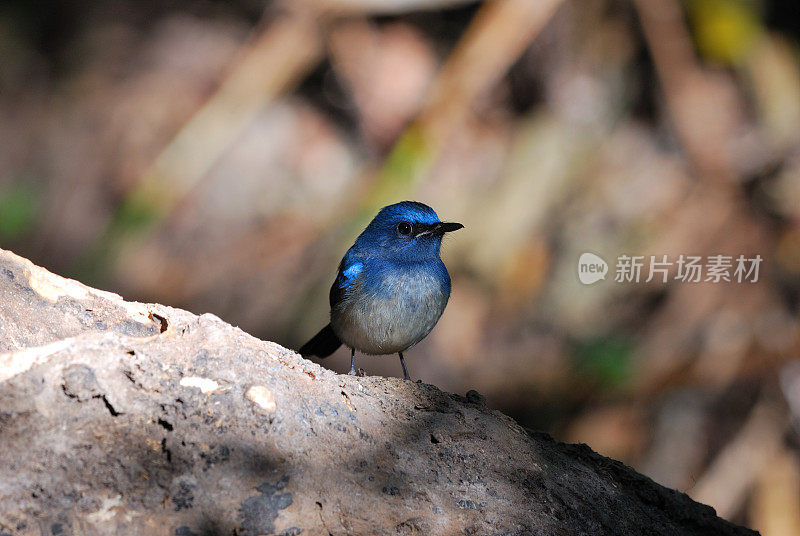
[(403, 362), (352, 362)]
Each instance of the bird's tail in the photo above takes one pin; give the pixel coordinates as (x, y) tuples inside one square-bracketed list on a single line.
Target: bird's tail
[(322, 344)]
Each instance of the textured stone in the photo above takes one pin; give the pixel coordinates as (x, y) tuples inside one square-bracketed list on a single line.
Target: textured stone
[(106, 429)]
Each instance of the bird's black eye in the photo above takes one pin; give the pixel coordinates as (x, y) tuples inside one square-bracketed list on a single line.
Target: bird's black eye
[(404, 228)]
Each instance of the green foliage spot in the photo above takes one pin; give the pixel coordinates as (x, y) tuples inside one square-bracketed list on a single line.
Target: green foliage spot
[(136, 214), (410, 153), (604, 360), (17, 210)]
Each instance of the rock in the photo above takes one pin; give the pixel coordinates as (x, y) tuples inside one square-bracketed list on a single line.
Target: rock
[(140, 419)]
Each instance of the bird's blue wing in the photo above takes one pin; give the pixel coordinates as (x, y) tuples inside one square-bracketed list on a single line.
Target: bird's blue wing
[(349, 270)]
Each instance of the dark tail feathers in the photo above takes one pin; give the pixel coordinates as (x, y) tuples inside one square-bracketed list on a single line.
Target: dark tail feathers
[(322, 344)]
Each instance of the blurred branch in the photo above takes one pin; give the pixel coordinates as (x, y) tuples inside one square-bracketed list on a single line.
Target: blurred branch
[(384, 7), (498, 34), (703, 120), (269, 66), (733, 472), (774, 76), (387, 69), (789, 377), (706, 111), (286, 50), (773, 508), (501, 31)]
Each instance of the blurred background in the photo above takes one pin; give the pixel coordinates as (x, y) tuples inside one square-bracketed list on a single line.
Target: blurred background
[(222, 156)]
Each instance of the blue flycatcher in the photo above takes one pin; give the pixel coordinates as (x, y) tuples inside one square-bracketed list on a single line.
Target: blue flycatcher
[(391, 288)]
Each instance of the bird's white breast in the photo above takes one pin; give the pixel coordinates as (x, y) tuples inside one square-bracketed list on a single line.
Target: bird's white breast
[(405, 310)]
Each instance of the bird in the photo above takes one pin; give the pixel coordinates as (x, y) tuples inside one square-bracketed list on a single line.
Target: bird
[(391, 287)]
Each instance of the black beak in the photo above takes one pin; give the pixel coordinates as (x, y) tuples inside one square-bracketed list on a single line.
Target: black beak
[(446, 227), (439, 228)]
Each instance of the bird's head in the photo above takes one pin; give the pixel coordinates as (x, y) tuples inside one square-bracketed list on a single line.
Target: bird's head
[(407, 230)]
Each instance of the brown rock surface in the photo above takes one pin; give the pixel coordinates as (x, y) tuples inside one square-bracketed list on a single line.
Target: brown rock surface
[(127, 418)]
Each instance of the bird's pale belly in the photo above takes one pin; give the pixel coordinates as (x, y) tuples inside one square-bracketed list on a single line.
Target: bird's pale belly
[(394, 320)]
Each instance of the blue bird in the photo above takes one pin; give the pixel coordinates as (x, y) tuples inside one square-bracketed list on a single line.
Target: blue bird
[(391, 288)]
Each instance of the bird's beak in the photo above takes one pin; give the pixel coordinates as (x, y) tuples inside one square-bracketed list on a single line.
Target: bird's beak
[(439, 228), (446, 227)]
